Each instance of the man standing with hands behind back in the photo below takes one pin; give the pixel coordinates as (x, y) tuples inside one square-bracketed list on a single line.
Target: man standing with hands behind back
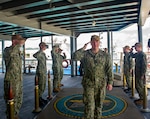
[(13, 76), (97, 66)]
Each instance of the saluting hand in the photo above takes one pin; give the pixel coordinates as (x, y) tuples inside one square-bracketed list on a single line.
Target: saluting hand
[(131, 50), (85, 45), (64, 53)]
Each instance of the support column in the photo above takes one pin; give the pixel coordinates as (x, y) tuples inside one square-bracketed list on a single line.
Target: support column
[(24, 61), (73, 43), (2, 56), (112, 49), (140, 33), (108, 42), (76, 61), (52, 41)]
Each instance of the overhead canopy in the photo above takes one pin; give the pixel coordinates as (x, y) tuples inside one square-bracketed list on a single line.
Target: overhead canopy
[(69, 17)]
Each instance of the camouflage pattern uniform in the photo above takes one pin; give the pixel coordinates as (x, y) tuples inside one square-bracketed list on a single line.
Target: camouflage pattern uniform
[(41, 70), (61, 67), (13, 75), (140, 70), (96, 68), (56, 68), (127, 67)]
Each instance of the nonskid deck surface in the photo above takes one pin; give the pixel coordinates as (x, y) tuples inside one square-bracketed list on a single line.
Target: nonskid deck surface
[(28, 96)]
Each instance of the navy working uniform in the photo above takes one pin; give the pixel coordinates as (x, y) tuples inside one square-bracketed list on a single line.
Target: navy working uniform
[(140, 70), (96, 68), (57, 59), (13, 76), (41, 70), (128, 67)]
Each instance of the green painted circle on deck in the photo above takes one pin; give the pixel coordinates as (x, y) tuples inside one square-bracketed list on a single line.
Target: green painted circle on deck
[(72, 106)]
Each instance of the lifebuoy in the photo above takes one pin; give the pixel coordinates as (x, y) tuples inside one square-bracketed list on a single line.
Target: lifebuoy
[(66, 64)]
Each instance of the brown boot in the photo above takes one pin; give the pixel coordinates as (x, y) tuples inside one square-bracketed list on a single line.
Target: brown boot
[(56, 90)]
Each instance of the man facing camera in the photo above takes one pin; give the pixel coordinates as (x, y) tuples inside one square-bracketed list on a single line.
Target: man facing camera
[(97, 66)]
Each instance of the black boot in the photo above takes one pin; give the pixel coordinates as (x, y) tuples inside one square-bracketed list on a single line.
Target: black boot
[(42, 101)]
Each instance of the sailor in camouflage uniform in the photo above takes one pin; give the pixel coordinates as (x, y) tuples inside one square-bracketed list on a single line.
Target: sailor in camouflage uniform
[(57, 67), (41, 70), (13, 76), (62, 57), (128, 67), (140, 70), (97, 66)]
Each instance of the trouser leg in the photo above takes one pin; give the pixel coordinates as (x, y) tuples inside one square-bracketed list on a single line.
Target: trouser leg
[(88, 99)]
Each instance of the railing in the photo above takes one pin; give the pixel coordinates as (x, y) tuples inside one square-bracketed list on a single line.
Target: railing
[(30, 67)]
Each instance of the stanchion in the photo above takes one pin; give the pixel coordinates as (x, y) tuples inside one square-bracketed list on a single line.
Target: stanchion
[(124, 82), (133, 85), (145, 108), (10, 104), (37, 108), (49, 87)]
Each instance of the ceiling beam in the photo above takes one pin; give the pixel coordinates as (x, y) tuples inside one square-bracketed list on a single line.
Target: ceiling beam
[(17, 4), (64, 16), (102, 14), (102, 21), (22, 21), (58, 5), (102, 25), (95, 27), (62, 13), (100, 18), (27, 10)]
